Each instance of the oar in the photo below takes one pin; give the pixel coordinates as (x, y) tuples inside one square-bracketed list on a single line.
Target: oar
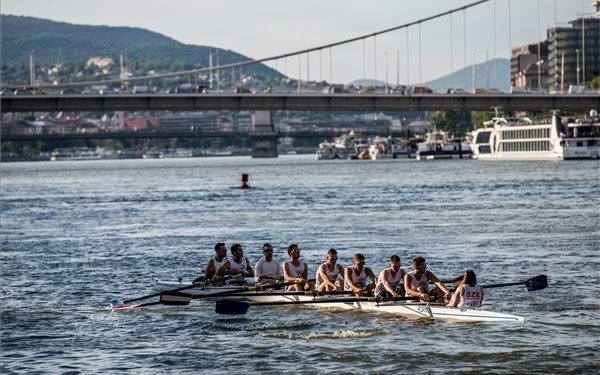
[(175, 297), (535, 283), (167, 297), (234, 307), (191, 286), (312, 293)]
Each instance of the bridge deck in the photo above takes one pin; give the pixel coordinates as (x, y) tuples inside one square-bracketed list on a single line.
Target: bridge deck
[(296, 102)]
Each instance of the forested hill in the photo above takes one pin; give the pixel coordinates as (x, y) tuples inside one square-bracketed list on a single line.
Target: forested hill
[(59, 42)]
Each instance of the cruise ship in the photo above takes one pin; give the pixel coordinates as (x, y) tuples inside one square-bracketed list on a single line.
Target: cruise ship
[(522, 139)]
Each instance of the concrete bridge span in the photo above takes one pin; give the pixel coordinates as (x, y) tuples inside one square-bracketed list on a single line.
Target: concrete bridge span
[(297, 102)]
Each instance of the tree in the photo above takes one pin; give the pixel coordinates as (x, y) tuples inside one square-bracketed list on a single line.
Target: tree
[(595, 83), (456, 122)]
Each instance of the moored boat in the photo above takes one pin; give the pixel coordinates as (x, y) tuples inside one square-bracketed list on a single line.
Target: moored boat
[(518, 139), (75, 153), (382, 148), (356, 145), (582, 140), (326, 151), (177, 153), (438, 145), (153, 154)]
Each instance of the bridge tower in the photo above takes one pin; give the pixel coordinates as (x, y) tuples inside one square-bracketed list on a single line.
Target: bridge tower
[(263, 135)]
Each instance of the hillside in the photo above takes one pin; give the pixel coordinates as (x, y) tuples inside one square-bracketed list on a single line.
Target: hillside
[(484, 77), (63, 43), (59, 42), (463, 78)]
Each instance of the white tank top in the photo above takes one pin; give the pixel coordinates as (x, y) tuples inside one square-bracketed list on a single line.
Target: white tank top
[(360, 280), (393, 280), (238, 267), (472, 296), (294, 271), (218, 264), (331, 275), (423, 282), (269, 269)]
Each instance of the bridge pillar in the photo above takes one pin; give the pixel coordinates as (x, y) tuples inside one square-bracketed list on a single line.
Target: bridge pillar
[(263, 135)]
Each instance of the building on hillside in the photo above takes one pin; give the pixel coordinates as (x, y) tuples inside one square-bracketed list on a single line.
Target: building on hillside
[(420, 127), (525, 71), (533, 77), (207, 122), (574, 51)]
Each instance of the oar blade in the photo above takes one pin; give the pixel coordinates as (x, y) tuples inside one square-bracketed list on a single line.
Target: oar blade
[(537, 283), (231, 307), (169, 297)]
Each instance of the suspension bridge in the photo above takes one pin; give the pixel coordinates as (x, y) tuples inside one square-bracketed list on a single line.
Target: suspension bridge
[(305, 99)]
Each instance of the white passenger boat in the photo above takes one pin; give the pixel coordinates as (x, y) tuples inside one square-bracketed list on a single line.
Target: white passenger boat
[(522, 139), (518, 139), (75, 153)]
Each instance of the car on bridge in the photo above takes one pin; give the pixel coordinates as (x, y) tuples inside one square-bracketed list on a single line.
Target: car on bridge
[(420, 90)]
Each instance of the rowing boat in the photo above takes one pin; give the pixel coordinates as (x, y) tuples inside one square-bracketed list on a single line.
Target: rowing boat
[(432, 311), (240, 298), (371, 304), (243, 300)]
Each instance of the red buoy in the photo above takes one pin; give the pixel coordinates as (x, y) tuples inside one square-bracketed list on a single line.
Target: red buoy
[(244, 184)]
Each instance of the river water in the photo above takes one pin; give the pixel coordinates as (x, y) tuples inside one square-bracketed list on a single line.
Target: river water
[(76, 234)]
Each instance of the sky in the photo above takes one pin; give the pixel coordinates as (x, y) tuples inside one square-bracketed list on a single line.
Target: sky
[(265, 28)]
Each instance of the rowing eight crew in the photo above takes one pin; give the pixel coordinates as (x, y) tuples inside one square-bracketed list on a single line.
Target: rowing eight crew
[(330, 276)]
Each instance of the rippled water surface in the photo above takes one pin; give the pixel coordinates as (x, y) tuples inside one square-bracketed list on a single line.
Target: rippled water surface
[(76, 234)]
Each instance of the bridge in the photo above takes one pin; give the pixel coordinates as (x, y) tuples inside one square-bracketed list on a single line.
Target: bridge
[(457, 46), (166, 134), (298, 102)]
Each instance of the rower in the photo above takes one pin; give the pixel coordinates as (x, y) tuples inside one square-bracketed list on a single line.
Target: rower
[(268, 271), (214, 263), (416, 282), (355, 276), (469, 293), (238, 265), (329, 273), (389, 282), (294, 270)]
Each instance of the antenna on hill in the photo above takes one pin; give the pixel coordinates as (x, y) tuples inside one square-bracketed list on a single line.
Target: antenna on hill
[(32, 67), (123, 71), (210, 74)]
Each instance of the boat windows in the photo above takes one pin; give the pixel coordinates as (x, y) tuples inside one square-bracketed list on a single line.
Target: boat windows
[(483, 137), (525, 146), (542, 133), (485, 149)]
